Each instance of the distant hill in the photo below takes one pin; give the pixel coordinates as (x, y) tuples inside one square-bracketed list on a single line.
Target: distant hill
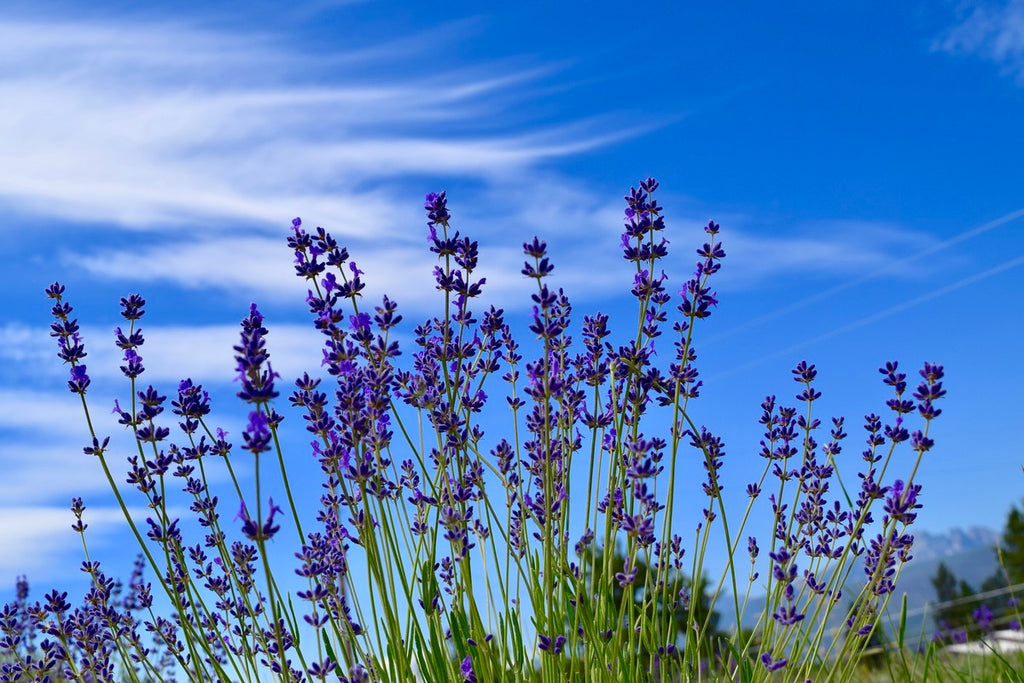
[(953, 543), (967, 552)]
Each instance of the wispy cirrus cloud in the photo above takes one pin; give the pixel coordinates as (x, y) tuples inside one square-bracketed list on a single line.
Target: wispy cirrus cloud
[(992, 31), (156, 124), (38, 541), (584, 249), (171, 353), (822, 249), (211, 141), (54, 472)]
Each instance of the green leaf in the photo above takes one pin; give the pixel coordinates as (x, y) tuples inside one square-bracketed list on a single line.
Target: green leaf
[(903, 622), (745, 670), (330, 650), (428, 587), (330, 655)]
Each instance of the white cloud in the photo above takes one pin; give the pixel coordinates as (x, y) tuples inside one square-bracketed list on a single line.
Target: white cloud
[(41, 413), (589, 268), (583, 245), (826, 249), (170, 353), (205, 353), (581, 230), (48, 471), (583, 236), (990, 31), (252, 265), (156, 124), (23, 345), (195, 133), (38, 541), (260, 269)]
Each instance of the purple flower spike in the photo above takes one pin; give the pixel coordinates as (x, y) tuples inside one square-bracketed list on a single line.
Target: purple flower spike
[(436, 205), (983, 618), (69, 342), (191, 405), (252, 529), (928, 392), (131, 307), (78, 509), (133, 364), (79, 381), (643, 219), (257, 435), (466, 669), (772, 664), (254, 370), (537, 250), (920, 443), (628, 574), (546, 644)]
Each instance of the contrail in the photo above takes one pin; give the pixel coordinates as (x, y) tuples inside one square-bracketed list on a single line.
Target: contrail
[(970, 280), (824, 294)]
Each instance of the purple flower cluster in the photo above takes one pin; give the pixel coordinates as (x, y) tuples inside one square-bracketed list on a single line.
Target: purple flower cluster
[(237, 606), (52, 640), (830, 533), (69, 339), (420, 526)]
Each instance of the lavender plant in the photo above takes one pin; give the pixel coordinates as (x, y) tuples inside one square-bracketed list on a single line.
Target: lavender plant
[(444, 551)]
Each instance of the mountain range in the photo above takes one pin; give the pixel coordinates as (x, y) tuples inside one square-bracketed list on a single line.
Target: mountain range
[(968, 553)]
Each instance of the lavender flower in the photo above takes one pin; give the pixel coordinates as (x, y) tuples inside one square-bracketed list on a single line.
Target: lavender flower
[(983, 618), (772, 664), (257, 436), (409, 509), (252, 529), (466, 669), (251, 356)]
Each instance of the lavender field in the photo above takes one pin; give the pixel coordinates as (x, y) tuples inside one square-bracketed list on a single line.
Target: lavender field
[(666, 345)]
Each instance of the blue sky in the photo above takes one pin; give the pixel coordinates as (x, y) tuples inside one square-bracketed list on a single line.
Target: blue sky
[(862, 159)]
